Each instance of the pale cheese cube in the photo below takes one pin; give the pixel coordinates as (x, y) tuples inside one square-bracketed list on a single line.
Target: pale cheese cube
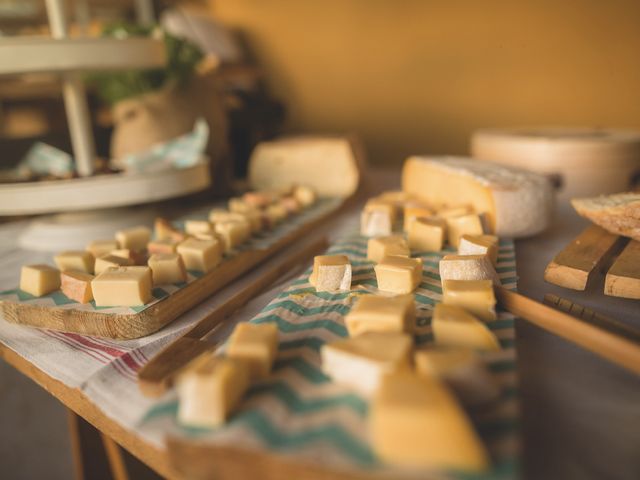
[(122, 287), (167, 268), (480, 245), (469, 224), (380, 247), (360, 362), (377, 218), (197, 226), (304, 195), (163, 230), (427, 234), (256, 345), (209, 389), (398, 274), (455, 327), (233, 233), (38, 280), (200, 255), (98, 248), (78, 260), (475, 296), (166, 245), (415, 210), (135, 238), (331, 273), (374, 313), (110, 261), (468, 267), (416, 422), (77, 286)]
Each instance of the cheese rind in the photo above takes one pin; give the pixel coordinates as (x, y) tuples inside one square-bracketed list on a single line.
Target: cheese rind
[(200, 255), (475, 296), (331, 273), (398, 275), (135, 238), (373, 313), (110, 261), (427, 234), (380, 247), (255, 344), (39, 280), (122, 287), (468, 267), (167, 268), (78, 260), (454, 327), (479, 245), (469, 224), (517, 203), (77, 286)]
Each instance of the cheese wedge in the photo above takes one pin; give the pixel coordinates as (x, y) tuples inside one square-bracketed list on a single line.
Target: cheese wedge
[(618, 213), (98, 248), (469, 224), (398, 275), (360, 362), (416, 422), (374, 313), (38, 280), (516, 203), (122, 287), (468, 267), (454, 327), (479, 245), (380, 247), (78, 260), (110, 261), (256, 345), (77, 286), (331, 273), (200, 255), (167, 268), (427, 234), (135, 238), (475, 296)]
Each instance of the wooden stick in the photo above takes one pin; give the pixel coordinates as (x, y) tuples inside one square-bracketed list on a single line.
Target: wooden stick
[(623, 278), (157, 375), (601, 342)]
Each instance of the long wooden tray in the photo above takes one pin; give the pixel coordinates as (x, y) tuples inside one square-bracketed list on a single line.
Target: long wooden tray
[(163, 311)]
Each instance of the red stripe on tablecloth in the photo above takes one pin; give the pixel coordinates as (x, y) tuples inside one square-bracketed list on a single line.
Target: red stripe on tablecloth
[(89, 342), (122, 369), (131, 362), (99, 357)]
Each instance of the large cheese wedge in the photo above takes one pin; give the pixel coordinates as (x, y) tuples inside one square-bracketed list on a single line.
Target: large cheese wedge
[(330, 165), (516, 203)]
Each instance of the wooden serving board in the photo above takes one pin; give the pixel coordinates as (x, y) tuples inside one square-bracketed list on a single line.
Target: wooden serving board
[(56, 312)]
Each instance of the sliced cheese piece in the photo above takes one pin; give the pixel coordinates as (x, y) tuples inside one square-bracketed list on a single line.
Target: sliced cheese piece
[(77, 286), (468, 267), (413, 210), (39, 280), (122, 287), (416, 422), (329, 165), (197, 226), (399, 275), (516, 203), (166, 245), (475, 296), (135, 238), (480, 245), (255, 344), (110, 261), (78, 260), (167, 268), (618, 213), (98, 248), (455, 327), (380, 247), (209, 389), (427, 234), (469, 224), (360, 362), (163, 229), (233, 233), (331, 273), (200, 255), (374, 313)]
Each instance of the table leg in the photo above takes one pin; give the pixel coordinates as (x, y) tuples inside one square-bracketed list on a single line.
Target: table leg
[(116, 460)]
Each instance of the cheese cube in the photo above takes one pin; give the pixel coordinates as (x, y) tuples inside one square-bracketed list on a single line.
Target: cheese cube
[(77, 286), (452, 326), (304, 195), (377, 220), (167, 268), (331, 273), (398, 274), (414, 210), (475, 296), (233, 233), (98, 248), (209, 389), (469, 224), (200, 255), (360, 362), (137, 257), (110, 261), (238, 205), (122, 287), (166, 245), (416, 422), (256, 345), (479, 245), (135, 238), (197, 226), (250, 216), (427, 234), (462, 370), (80, 261), (276, 213), (374, 313), (468, 267), (163, 230), (380, 247), (38, 280)]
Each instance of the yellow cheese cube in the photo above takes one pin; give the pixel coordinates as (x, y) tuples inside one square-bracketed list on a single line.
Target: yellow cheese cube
[(98, 248), (166, 245), (468, 267), (415, 210), (163, 230), (110, 261), (304, 195), (136, 257), (200, 255), (374, 313), (479, 245), (167, 268), (455, 327), (398, 274), (38, 280), (219, 215), (135, 238), (209, 389), (475, 296), (233, 233), (469, 224), (122, 287), (427, 234), (77, 286), (380, 247), (331, 273), (360, 362), (416, 422), (197, 226), (255, 344), (80, 261)]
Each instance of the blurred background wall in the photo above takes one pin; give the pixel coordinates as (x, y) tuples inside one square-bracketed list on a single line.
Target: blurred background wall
[(418, 76)]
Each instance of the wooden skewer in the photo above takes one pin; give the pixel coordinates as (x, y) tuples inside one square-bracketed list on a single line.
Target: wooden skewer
[(157, 375), (615, 348)]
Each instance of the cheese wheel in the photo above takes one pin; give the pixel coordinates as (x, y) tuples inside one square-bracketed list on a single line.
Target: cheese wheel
[(515, 203)]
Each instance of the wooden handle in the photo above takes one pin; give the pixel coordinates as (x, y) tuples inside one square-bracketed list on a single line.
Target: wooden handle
[(157, 375), (601, 342)]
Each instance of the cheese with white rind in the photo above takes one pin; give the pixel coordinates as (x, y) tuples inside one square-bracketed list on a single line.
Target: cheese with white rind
[(455, 327), (373, 313), (331, 273), (380, 247), (329, 165), (39, 280), (468, 267), (479, 245), (516, 203)]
